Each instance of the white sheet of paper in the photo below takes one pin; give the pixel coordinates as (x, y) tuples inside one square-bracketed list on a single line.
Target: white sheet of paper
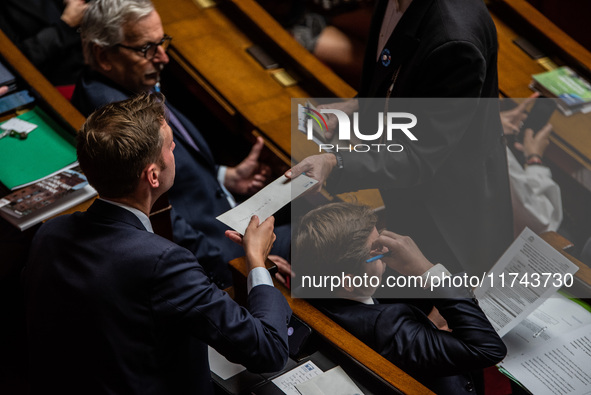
[(18, 125), (556, 318), (333, 381), (221, 366), (304, 372), (266, 202), (558, 367), (509, 304)]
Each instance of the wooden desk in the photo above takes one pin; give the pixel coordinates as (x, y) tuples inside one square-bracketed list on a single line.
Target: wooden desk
[(210, 46), (561, 244), (208, 55), (374, 365), (571, 134)]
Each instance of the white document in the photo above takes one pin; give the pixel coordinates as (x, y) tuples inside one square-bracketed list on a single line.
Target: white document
[(333, 381), (221, 366), (555, 319), (522, 279), (266, 202), (557, 367), (18, 125), (287, 381)]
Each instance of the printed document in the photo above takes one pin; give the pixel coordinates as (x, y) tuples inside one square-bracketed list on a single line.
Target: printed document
[(529, 272), (266, 202)]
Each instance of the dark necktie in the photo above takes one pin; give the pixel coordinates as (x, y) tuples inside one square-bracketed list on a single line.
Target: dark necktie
[(178, 125)]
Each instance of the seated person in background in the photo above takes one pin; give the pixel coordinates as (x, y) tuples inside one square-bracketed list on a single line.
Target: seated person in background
[(535, 197), (339, 238), (46, 32), (125, 46), (337, 40), (112, 307)]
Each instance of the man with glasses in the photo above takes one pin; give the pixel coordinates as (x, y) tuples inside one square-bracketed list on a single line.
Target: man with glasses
[(125, 47)]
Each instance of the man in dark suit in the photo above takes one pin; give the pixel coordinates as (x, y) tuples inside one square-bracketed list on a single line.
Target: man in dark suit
[(125, 46), (113, 308), (449, 190), (46, 32), (339, 240)]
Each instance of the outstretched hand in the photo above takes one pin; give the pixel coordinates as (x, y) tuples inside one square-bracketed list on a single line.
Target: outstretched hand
[(317, 167), (248, 176), (257, 240)]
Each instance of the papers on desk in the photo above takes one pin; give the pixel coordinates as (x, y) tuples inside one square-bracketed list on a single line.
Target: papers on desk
[(18, 125), (221, 366), (304, 372), (555, 319), (266, 202), (334, 381), (308, 379), (522, 279), (549, 352), (548, 336)]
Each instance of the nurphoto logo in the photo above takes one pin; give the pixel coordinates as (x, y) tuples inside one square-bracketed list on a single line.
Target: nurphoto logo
[(394, 122)]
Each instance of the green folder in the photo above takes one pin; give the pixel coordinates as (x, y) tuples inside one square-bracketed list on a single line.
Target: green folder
[(47, 149)]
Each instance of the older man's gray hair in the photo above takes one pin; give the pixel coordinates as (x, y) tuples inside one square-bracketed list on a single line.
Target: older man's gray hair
[(103, 23)]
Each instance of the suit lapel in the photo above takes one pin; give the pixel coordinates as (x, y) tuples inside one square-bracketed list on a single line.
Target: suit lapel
[(402, 44), (372, 45)]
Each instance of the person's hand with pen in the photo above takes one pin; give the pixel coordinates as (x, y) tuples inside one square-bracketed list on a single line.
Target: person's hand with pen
[(3, 90), (400, 253)]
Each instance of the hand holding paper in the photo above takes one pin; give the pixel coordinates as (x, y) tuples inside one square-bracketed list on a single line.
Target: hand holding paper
[(266, 202), (257, 240)]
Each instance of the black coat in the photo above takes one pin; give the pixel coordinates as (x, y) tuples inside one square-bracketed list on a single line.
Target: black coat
[(404, 335), (114, 309), (35, 27), (449, 190)]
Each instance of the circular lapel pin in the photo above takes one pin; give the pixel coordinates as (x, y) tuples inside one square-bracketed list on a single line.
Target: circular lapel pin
[(385, 57)]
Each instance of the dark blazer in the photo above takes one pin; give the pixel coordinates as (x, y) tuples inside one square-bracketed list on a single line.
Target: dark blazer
[(36, 29), (196, 195), (449, 190), (403, 334), (114, 309)]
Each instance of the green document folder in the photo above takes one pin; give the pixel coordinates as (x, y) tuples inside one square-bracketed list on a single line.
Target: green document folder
[(46, 150)]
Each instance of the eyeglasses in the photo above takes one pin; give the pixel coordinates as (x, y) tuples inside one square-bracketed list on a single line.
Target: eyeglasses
[(149, 50)]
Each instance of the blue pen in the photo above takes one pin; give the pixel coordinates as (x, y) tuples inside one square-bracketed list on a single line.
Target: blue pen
[(375, 258)]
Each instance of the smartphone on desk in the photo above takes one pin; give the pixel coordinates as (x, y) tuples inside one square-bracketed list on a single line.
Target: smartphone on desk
[(539, 116)]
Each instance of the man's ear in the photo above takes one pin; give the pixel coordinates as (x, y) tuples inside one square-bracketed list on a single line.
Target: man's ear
[(102, 57), (152, 174), (348, 283)]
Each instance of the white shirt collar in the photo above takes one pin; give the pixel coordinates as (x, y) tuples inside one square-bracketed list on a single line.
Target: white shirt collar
[(361, 299), (139, 214)]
